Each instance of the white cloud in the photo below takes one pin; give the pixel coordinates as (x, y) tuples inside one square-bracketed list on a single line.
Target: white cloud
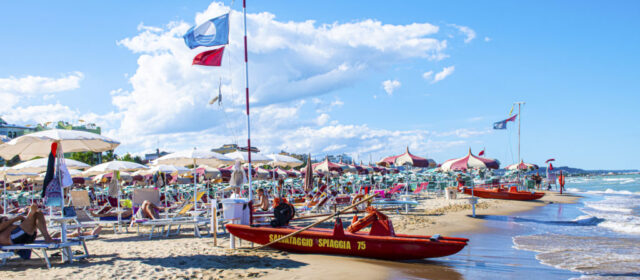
[(487, 39), (288, 61), (390, 86), (446, 71), (468, 32), (31, 85), (427, 75), (40, 114)]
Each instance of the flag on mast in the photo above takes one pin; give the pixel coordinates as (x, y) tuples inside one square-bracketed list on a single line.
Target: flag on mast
[(213, 32), (481, 153), (503, 124), (209, 58)]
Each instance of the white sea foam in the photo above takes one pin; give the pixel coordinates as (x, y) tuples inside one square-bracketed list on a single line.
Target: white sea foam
[(591, 255)]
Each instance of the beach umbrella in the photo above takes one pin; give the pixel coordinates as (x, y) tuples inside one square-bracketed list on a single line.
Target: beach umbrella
[(522, 166), (165, 168), (244, 157), (470, 161), (40, 165), (347, 168), (407, 159), (192, 157), (282, 161), (308, 176), (327, 167), (115, 165), (195, 157), (39, 143)]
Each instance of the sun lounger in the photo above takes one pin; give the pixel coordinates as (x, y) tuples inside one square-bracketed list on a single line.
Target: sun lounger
[(80, 201), (423, 186), (44, 247), (163, 226)]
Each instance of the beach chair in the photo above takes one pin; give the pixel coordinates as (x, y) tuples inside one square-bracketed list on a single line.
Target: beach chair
[(44, 247), (162, 227), (397, 188), (81, 202), (421, 187)]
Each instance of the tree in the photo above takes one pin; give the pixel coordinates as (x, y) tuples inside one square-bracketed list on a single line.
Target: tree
[(127, 157), (86, 157), (109, 156)]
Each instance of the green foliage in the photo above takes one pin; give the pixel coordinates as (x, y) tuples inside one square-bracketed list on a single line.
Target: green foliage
[(86, 157)]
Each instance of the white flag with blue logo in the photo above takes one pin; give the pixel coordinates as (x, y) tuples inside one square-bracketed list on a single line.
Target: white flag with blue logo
[(213, 32)]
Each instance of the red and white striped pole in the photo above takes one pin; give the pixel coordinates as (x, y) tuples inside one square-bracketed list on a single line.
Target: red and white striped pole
[(246, 68)]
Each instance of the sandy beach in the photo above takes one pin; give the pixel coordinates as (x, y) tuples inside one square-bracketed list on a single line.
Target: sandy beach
[(129, 256)]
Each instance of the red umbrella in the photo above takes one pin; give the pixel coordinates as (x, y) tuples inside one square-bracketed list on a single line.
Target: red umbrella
[(407, 159), (470, 161)]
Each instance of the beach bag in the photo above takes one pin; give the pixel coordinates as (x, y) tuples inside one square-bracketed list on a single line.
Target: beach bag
[(53, 193)]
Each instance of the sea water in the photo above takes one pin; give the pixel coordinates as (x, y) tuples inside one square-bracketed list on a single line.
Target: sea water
[(599, 237)]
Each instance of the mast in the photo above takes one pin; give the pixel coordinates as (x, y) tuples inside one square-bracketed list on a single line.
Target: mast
[(519, 117), (246, 69)]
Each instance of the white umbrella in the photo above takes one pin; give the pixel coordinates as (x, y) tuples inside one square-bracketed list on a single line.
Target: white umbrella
[(244, 157), (115, 165), (39, 143), (39, 165), (194, 157), (167, 168), (282, 161), (189, 157)]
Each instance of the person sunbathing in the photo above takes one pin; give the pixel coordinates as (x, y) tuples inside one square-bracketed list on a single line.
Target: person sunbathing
[(26, 232), (148, 210), (96, 231), (112, 215)]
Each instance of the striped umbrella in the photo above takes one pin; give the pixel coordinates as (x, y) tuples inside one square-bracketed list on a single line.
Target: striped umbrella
[(407, 159), (470, 161), (522, 166)]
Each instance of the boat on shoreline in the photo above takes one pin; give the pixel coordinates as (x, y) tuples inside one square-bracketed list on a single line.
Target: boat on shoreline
[(381, 242), (499, 193)]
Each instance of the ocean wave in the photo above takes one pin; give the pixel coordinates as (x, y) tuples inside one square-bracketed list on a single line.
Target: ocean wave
[(588, 220), (612, 191), (590, 255), (624, 227)]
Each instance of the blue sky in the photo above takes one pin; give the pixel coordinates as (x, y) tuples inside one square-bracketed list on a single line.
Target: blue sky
[(319, 85)]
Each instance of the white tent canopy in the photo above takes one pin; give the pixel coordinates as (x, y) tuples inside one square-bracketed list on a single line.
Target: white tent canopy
[(39, 143)]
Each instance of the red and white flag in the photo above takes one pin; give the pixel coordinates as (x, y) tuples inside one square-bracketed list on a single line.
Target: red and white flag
[(481, 153)]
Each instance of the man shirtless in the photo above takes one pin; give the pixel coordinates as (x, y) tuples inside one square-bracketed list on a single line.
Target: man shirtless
[(24, 233), (263, 201)]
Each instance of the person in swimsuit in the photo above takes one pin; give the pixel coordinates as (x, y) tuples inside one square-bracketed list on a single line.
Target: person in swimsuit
[(26, 232), (263, 201)]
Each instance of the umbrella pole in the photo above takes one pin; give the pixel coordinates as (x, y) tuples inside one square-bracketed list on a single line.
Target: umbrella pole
[(195, 187), (4, 195)]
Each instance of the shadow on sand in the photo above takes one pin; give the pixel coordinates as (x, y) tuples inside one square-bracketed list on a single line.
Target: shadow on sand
[(421, 269), (219, 262), (586, 222)]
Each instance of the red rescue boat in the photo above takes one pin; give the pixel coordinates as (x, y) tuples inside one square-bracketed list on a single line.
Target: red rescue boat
[(500, 193), (380, 242)]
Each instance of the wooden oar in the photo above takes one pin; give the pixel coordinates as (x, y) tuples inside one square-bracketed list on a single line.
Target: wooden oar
[(316, 223)]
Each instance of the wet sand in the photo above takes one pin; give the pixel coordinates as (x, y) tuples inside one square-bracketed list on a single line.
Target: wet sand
[(128, 256)]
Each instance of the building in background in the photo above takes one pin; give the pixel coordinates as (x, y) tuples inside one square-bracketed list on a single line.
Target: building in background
[(13, 130)]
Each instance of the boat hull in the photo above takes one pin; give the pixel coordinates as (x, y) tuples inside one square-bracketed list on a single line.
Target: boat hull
[(361, 244), (504, 194)]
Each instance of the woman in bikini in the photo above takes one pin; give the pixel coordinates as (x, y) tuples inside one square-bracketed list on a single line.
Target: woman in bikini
[(26, 232)]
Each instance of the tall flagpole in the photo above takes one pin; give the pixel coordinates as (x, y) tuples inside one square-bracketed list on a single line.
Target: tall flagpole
[(519, 118), (246, 68)]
